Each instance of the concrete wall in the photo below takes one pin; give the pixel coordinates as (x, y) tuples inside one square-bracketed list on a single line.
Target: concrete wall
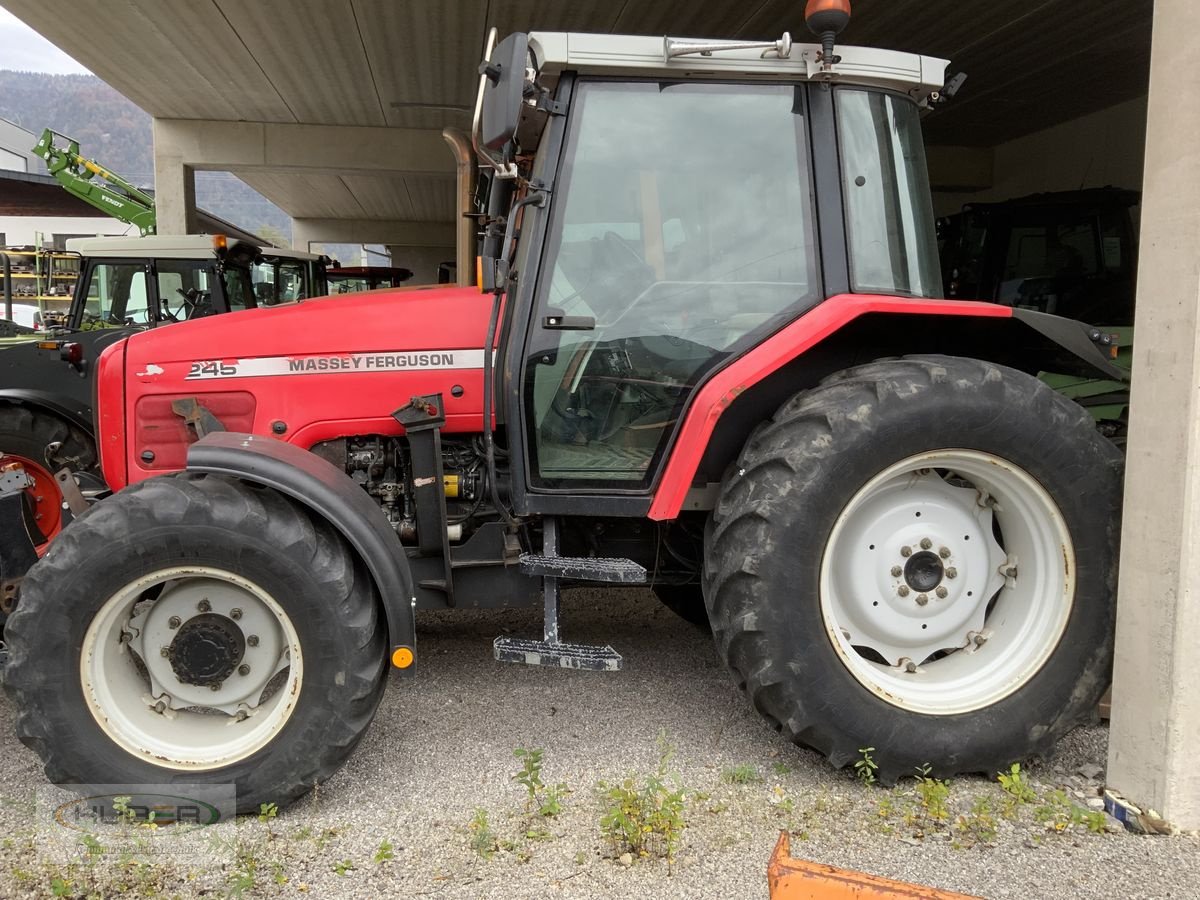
[(422, 260), (23, 230), (1104, 148), (16, 149)]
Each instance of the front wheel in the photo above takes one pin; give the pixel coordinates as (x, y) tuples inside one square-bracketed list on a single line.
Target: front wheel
[(195, 629), (920, 556)]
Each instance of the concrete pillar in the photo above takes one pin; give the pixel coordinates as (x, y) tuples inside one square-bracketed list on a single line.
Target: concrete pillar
[(1156, 694), (174, 193)]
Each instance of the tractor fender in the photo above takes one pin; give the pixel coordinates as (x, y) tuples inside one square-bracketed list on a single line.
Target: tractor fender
[(72, 411), (845, 330), (331, 494)]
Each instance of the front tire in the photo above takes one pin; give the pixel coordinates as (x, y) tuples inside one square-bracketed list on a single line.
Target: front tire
[(920, 556), (196, 629)]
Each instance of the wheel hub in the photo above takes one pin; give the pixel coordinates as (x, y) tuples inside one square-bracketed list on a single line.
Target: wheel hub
[(923, 572), (207, 649)]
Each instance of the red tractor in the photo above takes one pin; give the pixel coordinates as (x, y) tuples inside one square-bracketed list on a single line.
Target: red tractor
[(710, 358)]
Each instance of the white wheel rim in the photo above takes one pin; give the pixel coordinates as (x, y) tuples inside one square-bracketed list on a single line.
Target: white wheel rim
[(141, 703), (961, 631)]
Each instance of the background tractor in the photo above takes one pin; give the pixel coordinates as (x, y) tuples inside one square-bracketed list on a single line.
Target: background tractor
[(712, 359), (125, 285)]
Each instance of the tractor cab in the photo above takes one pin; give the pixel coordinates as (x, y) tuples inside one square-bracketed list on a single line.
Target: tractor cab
[(147, 281), (666, 195)]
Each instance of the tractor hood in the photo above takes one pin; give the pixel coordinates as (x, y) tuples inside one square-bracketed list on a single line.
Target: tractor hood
[(316, 371), (383, 320)]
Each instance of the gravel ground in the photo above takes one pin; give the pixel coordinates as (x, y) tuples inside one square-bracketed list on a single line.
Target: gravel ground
[(442, 747)]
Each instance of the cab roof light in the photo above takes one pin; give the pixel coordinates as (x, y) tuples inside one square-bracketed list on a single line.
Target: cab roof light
[(827, 19)]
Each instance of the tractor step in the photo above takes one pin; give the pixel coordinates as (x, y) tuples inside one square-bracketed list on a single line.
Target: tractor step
[(588, 657), (583, 568)]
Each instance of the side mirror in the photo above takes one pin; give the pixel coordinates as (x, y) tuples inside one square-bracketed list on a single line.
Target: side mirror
[(503, 87)]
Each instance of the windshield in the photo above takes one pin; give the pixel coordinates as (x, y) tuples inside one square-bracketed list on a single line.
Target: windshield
[(278, 280), (885, 182), (118, 293), (682, 231)]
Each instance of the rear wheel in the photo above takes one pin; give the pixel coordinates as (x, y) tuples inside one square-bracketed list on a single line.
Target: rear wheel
[(195, 629), (43, 443), (920, 556)]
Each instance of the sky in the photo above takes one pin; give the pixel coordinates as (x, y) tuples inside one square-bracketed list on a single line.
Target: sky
[(24, 49)]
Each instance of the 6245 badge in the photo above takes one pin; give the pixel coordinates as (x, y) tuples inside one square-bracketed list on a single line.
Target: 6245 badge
[(211, 369)]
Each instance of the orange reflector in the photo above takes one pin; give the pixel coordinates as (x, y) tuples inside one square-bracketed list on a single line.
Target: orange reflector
[(402, 657), (48, 345), (479, 272), (220, 242)]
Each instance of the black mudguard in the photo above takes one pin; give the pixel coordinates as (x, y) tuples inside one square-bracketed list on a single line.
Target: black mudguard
[(1077, 353), (330, 494)]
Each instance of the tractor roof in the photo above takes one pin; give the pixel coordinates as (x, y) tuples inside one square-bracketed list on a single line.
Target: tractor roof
[(167, 246), (615, 54)]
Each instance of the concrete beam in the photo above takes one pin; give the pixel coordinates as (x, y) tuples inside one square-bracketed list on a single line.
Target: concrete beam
[(329, 149), (1156, 694), (960, 168), (373, 231)]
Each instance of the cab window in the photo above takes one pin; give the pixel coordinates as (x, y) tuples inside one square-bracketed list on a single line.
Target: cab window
[(683, 229)]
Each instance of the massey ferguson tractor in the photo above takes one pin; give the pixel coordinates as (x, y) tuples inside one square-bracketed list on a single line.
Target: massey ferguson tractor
[(709, 357)]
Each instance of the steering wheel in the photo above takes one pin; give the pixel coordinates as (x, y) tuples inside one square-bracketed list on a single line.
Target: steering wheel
[(196, 303)]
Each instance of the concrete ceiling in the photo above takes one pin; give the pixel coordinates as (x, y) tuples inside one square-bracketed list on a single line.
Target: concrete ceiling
[(411, 63)]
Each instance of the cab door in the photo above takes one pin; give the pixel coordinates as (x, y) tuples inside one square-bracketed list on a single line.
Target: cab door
[(681, 232)]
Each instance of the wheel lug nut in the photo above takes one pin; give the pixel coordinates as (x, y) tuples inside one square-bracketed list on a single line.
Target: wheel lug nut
[(944, 553), (160, 707), (215, 686), (204, 606), (243, 669), (926, 543), (906, 551), (941, 592), (897, 571), (902, 590), (235, 613), (922, 599), (252, 640), (164, 651), (952, 572), (173, 622)]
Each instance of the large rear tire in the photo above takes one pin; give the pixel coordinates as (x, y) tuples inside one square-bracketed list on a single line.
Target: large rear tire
[(920, 556), (173, 586)]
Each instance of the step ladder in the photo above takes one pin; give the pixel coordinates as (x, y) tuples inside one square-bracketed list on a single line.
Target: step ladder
[(552, 568)]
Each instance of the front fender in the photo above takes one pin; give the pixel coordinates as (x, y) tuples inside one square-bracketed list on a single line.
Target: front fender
[(331, 495)]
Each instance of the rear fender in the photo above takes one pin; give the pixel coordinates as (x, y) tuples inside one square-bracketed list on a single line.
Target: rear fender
[(848, 330), (331, 495)]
